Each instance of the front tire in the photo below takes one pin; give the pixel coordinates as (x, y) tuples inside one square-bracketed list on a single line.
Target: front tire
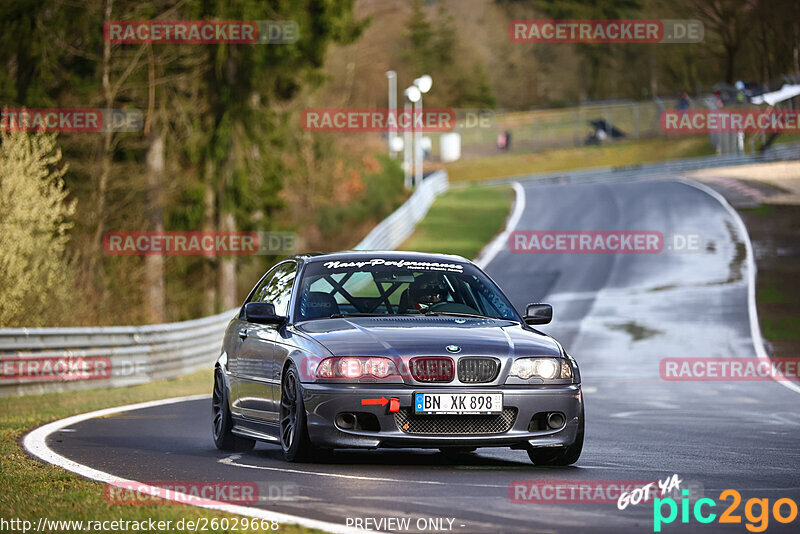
[(222, 421), (295, 443)]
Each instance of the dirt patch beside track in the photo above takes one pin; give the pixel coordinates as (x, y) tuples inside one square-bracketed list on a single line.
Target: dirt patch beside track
[(775, 233)]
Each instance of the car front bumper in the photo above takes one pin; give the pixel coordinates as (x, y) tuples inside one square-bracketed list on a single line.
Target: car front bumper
[(324, 402)]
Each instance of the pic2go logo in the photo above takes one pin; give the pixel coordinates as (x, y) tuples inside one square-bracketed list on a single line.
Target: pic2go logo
[(758, 521)]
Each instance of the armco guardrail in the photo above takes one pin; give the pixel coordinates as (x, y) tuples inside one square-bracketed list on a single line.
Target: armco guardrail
[(132, 354), (397, 227)]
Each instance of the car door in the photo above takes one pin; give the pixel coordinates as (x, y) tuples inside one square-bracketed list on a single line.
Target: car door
[(235, 336), (282, 297), (258, 383)]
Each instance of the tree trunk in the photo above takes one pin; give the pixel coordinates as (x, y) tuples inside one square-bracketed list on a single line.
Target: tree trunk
[(105, 151), (227, 220), (209, 205), (227, 223), (653, 77), (730, 63), (155, 298), (227, 267)]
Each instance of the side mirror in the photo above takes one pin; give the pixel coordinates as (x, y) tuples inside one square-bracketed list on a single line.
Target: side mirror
[(261, 313), (538, 314)]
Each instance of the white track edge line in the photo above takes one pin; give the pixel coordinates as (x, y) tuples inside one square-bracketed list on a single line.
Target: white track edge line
[(35, 443), (232, 461), (752, 309), (494, 247)]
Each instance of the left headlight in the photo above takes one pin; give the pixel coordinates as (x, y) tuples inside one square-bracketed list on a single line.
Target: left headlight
[(547, 368), (356, 367)]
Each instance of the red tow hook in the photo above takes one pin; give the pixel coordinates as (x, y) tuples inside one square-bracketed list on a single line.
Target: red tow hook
[(394, 405)]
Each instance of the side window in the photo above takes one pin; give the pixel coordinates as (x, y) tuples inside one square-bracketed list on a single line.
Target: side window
[(279, 289), (260, 287)]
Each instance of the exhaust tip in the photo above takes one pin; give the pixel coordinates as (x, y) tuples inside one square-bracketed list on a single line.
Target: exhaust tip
[(556, 420), (346, 421)]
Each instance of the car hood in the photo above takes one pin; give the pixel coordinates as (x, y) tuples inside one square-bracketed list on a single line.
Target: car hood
[(429, 336)]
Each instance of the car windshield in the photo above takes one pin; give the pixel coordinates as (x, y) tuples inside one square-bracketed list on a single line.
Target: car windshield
[(382, 286)]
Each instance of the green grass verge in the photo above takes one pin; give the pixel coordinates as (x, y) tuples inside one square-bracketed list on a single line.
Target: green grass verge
[(774, 228), (616, 154), (781, 328), (462, 221), (32, 490)]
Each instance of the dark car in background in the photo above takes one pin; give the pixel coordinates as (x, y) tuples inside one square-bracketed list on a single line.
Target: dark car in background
[(393, 349)]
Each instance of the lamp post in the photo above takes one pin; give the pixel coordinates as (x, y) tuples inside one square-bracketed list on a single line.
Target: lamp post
[(392, 77), (412, 95), (423, 84)]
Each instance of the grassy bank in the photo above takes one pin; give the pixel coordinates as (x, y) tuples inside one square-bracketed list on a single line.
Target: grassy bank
[(462, 221), (775, 231), (32, 490), (617, 154)]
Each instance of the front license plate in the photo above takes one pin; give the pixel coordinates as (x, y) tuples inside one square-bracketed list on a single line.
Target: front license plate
[(458, 403)]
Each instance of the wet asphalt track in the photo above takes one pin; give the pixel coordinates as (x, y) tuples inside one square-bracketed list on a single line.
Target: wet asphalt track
[(618, 315)]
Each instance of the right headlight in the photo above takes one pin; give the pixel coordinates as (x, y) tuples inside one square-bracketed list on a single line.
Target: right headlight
[(547, 368)]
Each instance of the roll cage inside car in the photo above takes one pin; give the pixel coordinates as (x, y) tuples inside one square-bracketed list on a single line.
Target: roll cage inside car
[(367, 304), (470, 293)]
